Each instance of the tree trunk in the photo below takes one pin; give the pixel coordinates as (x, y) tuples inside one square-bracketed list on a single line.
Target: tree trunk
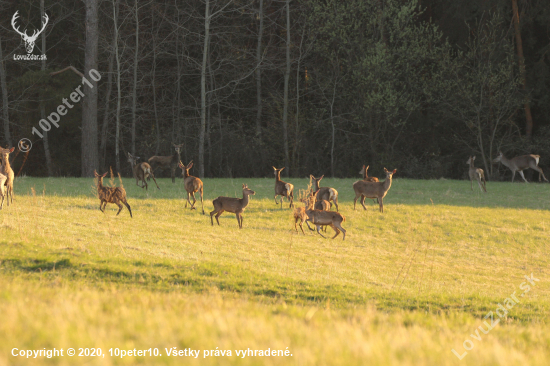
[(47, 154), (155, 89), (134, 88), (287, 76), (119, 97), (5, 111), (105, 125), (90, 159), (203, 88), (259, 75), (521, 59)]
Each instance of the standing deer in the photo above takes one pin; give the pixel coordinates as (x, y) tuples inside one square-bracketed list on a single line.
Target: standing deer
[(192, 184), (8, 172), (230, 204), (141, 171), (325, 193), (374, 189), (300, 212), (477, 174), (114, 195), (321, 218), (520, 163), (357, 185), (283, 189), (165, 162)]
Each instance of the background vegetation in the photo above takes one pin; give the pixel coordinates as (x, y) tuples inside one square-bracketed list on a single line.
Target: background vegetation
[(321, 87)]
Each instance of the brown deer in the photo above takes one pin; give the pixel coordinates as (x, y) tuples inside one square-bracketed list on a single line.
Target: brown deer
[(114, 195), (230, 204), (300, 212), (192, 184), (357, 185), (477, 174), (8, 172), (520, 163), (165, 162), (374, 189), (325, 193), (141, 171), (283, 189), (321, 218)]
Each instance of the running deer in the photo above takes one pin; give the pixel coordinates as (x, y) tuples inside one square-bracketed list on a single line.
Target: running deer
[(165, 162), (283, 189), (114, 195), (357, 185), (8, 172), (321, 218), (230, 204), (3, 179), (192, 185), (374, 189), (520, 163), (141, 171), (325, 193), (477, 174)]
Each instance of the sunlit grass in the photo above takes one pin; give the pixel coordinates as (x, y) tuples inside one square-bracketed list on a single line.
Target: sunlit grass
[(405, 287)]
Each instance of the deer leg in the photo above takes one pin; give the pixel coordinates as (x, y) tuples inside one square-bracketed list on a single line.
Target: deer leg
[(381, 203), (100, 207), (211, 219), (521, 173), (202, 204), (309, 227), (119, 207), (472, 184), (355, 200), (152, 176), (276, 199), (363, 202), (541, 172), (513, 175), (339, 226), (318, 232), (335, 229), (128, 207), (336, 202), (194, 201), (218, 215)]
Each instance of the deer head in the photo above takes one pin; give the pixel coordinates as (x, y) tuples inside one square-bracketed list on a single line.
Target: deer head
[(29, 40)]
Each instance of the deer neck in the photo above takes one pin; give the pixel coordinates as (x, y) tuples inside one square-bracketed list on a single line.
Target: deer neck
[(245, 199), (387, 184), (317, 188), (507, 162), (6, 162), (186, 174), (278, 177)]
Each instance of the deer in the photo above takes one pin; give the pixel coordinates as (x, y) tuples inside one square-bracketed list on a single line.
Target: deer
[(29, 40), (321, 218), (141, 171), (374, 189), (230, 204), (325, 193), (300, 212), (520, 163), (357, 185), (114, 195), (8, 172), (3, 179), (477, 174), (192, 184), (165, 162), (283, 189)]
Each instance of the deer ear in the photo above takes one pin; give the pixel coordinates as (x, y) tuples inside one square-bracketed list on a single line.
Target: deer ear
[(394, 171), (244, 186), (180, 164), (282, 168), (386, 170), (367, 168), (11, 150), (190, 165), (274, 167), (321, 177), (103, 176)]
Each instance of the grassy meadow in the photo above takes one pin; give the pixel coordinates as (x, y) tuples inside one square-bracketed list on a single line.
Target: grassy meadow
[(405, 287)]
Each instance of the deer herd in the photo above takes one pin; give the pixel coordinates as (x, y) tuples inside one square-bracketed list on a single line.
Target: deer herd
[(317, 200)]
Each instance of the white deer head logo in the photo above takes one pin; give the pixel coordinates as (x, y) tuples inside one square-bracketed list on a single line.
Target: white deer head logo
[(29, 41)]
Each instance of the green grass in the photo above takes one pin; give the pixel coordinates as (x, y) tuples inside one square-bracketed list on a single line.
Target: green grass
[(405, 287)]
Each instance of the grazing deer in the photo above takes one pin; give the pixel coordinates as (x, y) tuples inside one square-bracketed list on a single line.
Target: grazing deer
[(165, 162), (321, 218), (477, 174), (8, 172), (230, 204), (325, 193), (114, 195), (192, 184), (3, 179), (283, 189), (141, 171), (374, 189), (520, 163), (357, 185)]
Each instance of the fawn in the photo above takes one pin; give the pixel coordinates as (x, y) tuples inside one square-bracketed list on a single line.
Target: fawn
[(283, 189), (477, 174), (192, 184), (325, 193), (141, 171), (230, 204), (114, 195)]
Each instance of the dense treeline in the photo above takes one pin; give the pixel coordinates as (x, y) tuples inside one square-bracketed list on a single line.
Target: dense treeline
[(318, 86)]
